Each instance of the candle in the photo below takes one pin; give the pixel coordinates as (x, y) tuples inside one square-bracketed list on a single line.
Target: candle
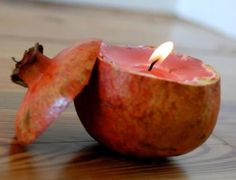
[(138, 101), (167, 110), (163, 63)]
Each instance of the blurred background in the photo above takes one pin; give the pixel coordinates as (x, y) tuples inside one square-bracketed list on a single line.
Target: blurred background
[(216, 14), (202, 29)]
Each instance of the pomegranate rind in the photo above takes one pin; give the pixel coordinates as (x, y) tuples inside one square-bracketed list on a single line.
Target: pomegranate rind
[(68, 73), (145, 116)]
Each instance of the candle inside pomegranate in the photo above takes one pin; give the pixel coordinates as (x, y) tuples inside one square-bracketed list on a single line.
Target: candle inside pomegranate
[(167, 111), (175, 67), (123, 101)]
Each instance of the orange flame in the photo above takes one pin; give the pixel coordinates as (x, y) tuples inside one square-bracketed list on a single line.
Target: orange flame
[(161, 52)]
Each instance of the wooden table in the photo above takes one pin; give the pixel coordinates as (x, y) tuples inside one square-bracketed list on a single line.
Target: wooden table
[(65, 150)]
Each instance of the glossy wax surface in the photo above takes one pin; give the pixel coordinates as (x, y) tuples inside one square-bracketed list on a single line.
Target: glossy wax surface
[(175, 67)]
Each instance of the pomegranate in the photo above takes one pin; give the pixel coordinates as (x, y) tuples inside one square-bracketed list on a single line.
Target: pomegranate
[(130, 106), (167, 111)]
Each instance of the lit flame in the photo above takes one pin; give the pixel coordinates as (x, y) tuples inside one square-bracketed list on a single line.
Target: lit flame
[(161, 52)]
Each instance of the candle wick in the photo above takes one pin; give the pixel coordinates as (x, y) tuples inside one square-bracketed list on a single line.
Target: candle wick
[(152, 64)]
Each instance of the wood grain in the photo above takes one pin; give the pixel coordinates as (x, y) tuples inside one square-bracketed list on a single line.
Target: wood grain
[(65, 150)]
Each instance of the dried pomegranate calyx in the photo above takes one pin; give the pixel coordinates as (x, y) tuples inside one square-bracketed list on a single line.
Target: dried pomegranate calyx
[(31, 67)]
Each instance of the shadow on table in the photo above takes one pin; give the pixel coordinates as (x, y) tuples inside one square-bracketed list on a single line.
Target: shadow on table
[(18, 162), (98, 162)]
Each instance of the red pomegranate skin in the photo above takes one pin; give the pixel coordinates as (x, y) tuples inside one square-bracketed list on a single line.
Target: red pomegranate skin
[(52, 85), (158, 118)]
